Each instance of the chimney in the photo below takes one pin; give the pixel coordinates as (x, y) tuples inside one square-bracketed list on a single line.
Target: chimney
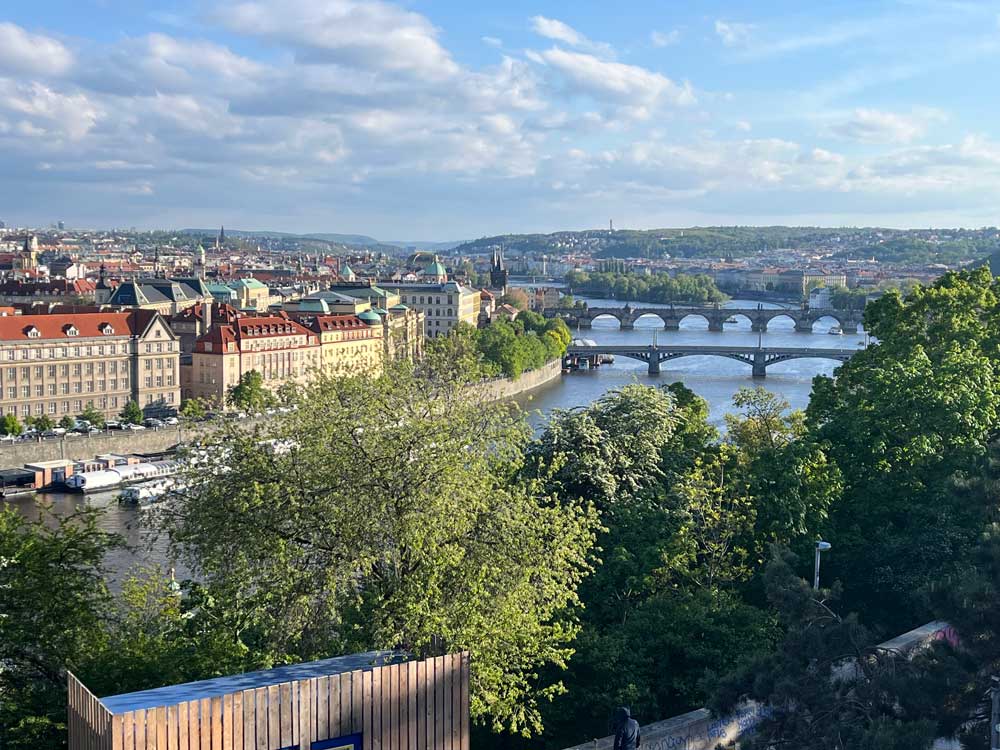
[(206, 315)]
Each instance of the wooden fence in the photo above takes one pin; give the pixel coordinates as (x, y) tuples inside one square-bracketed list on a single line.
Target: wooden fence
[(416, 705)]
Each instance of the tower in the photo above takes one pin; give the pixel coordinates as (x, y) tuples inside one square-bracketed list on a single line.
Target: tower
[(498, 272), (102, 292), (222, 237), (199, 263), (156, 263)]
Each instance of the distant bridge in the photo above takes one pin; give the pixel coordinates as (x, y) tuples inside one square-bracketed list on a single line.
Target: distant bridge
[(671, 315), (759, 358)]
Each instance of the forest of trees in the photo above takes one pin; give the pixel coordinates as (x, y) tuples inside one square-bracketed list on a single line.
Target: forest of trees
[(658, 287), (628, 554)]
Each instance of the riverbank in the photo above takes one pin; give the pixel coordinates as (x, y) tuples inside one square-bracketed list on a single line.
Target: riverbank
[(501, 389)]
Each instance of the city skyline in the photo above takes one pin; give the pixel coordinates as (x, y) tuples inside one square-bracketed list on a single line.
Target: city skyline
[(438, 121)]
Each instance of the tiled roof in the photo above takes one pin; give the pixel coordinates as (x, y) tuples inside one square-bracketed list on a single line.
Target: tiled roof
[(87, 325), (336, 323)]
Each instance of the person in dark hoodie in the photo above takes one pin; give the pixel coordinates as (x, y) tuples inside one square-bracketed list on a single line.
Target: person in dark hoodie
[(626, 730)]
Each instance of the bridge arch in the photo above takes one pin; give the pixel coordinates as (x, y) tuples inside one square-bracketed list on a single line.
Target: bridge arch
[(738, 319), (696, 317), (827, 320), (779, 316), (650, 317), (606, 316)]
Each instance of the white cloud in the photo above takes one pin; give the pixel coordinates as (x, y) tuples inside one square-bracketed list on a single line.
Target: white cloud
[(664, 38), (554, 29), (628, 85), (34, 54), (367, 34), (492, 41), (876, 126), (733, 34), (744, 125), (39, 110)]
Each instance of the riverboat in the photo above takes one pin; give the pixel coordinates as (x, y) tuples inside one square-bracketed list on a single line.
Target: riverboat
[(109, 479), (146, 493), (836, 331)]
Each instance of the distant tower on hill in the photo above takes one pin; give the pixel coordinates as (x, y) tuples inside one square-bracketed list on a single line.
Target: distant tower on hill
[(222, 237), (498, 272)]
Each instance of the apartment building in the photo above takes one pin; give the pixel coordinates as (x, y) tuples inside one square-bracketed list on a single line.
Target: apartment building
[(279, 348), (58, 365), (443, 305), (350, 345)]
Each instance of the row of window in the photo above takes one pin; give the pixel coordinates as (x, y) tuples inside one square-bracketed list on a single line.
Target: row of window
[(435, 300), (10, 374), (67, 352), (76, 407), (91, 386)]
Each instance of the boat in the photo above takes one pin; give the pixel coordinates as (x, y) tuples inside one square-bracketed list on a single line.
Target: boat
[(109, 479), (731, 320), (16, 483), (836, 331), (146, 493)]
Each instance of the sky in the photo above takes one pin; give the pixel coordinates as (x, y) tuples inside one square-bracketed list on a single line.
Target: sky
[(450, 119)]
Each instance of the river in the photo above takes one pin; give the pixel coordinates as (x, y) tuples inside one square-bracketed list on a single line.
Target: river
[(716, 379)]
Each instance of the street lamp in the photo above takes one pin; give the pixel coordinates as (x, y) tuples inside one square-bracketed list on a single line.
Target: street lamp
[(821, 547)]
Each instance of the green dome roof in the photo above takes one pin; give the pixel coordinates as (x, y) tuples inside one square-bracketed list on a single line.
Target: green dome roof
[(399, 308), (435, 269), (370, 317), (379, 311)]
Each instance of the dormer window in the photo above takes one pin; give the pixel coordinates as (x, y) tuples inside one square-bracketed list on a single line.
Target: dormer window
[(33, 333), (107, 329), (71, 330)]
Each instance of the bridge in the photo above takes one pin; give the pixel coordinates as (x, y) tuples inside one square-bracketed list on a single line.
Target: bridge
[(759, 358), (716, 316)]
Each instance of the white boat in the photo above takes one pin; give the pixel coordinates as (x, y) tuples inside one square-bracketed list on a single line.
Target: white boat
[(147, 492), (109, 479), (836, 331), (731, 321)]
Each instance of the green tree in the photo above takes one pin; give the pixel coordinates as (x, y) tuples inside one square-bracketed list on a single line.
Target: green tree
[(516, 298), (900, 420), (193, 409), (43, 423), (52, 615), (10, 425), (429, 539), (250, 394), (67, 422), (132, 413), (92, 415)]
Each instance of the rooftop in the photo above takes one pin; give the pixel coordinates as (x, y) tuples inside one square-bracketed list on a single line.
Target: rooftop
[(173, 694)]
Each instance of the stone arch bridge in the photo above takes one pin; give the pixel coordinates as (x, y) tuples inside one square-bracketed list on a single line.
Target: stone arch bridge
[(759, 358), (759, 318)]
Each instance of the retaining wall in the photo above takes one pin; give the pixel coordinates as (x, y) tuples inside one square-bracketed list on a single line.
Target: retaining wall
[(16, 455), (504, 388)]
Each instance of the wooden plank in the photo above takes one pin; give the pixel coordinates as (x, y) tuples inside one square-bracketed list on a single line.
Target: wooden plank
[(357, 703), (183, 710), (366, 711), (194, 724), (304, 705), (237, 721), (273, 718), (249, 720), (216, 722), (399, 706), (227, 722), (140, 729), (128, 731), (386, 678), (117, 733), (171, 726), (466, 721), (161, 727), (296, 729), (285, 713), (456, 701), (378, 738), (336, 726), (323, 708), (444, 712), (429, 703), (411, 705), (205, 724), (260, 698)]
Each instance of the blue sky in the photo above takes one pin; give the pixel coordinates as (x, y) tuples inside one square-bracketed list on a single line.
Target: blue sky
[(439, 119)]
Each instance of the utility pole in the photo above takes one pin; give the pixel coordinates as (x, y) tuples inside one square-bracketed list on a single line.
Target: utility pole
[(995, 713)]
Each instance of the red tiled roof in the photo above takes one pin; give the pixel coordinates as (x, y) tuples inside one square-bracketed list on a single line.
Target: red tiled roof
[(336, 323), (88, 325)]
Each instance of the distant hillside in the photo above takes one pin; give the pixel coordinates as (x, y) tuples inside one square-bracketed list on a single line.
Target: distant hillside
[(902, 246), (359, 240)]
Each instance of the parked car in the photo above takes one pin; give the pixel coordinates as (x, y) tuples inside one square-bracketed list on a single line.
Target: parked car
[(133, 427), (113, 425), (154, 422), (171, 421), (8, 438)]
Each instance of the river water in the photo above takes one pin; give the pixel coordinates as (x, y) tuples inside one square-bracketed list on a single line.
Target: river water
[(716, 379)]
